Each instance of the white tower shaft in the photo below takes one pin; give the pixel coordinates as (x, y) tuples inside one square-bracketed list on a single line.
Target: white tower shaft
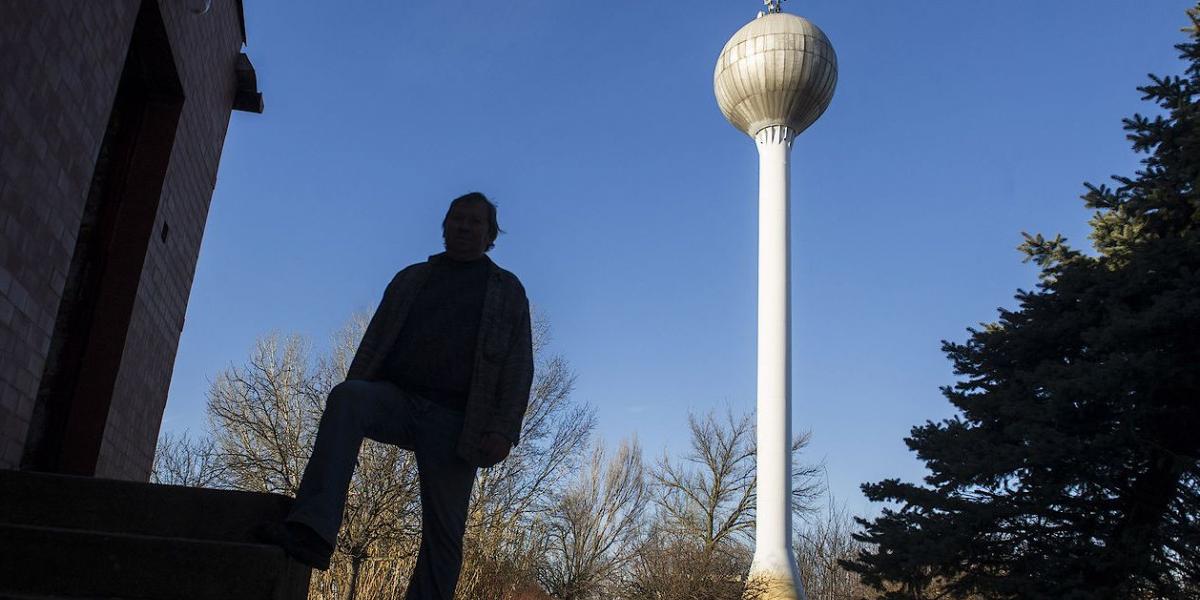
[(774, 78), (774, 565)]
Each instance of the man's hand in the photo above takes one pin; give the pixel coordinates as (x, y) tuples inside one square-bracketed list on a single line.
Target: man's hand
[(495, 447)]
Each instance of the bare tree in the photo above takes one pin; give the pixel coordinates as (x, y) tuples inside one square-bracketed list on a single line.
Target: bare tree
[(264, 415), (710, 495), (819, 546), (596, 526), (671, 566), (181, 459), (702, 542)]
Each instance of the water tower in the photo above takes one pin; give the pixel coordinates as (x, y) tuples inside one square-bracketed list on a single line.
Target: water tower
[(773, 79)]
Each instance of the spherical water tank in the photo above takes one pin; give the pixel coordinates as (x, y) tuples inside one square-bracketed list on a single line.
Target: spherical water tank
[(779, 69)]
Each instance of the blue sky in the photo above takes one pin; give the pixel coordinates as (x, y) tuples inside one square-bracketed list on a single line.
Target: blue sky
[(630, 204)]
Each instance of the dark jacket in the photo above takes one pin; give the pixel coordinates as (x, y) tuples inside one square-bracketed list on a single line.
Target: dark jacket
[(503, 372)]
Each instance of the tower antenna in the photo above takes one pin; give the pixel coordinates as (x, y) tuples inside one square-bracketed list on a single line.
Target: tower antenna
[(773, 6)]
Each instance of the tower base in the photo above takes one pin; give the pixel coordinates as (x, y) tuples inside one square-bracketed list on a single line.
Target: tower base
[(772, 584)]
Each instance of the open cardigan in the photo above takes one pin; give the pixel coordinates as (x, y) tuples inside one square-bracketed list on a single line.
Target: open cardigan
[(503, 370)]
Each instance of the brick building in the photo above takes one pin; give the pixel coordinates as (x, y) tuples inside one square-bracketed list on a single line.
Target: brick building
[(113, 114)]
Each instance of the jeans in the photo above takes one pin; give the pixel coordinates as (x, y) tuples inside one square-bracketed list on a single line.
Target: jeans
[(383, 412)]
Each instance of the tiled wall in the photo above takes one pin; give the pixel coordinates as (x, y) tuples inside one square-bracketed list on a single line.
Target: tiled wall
[(61, 62)]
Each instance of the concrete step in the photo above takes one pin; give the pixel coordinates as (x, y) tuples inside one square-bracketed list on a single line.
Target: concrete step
[(101, 539), (71, 563), (8, 596), (107, 505)]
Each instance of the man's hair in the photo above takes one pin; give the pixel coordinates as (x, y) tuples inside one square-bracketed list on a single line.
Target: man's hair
[(477, 198)]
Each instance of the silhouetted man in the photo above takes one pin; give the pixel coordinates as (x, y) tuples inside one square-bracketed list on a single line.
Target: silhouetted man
[(444, 369)]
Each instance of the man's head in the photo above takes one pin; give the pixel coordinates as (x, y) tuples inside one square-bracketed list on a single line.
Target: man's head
[(470, 228)]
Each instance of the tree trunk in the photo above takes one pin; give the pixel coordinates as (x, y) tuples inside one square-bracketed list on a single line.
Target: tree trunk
[(355, 566)]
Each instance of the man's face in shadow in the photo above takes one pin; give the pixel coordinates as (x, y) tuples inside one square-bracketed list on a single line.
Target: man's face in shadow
[(466, 233)]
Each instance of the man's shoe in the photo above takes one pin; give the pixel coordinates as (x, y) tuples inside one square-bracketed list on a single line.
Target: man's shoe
[(298, 541)]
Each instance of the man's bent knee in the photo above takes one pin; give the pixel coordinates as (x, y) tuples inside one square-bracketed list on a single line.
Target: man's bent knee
[(344, 393)]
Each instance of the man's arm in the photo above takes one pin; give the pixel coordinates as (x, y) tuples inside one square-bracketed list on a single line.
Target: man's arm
[(516, 379), (371, 340)]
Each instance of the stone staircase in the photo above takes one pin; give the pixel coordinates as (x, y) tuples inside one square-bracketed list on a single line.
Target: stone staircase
[(102, 539)]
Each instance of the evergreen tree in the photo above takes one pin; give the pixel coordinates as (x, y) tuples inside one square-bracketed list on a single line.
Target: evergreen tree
[(1071, 468)]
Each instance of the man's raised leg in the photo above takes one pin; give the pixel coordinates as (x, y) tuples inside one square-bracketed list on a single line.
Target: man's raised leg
[(355, 409)]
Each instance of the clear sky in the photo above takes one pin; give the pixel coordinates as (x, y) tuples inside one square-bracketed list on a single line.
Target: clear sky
[(630, 203)]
